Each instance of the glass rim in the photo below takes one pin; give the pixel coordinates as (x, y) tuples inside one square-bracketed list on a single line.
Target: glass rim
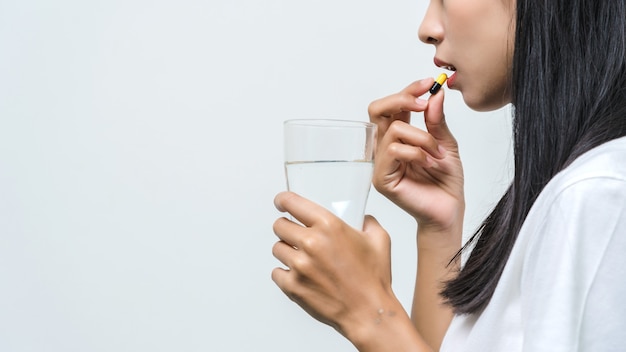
[(328, 123)]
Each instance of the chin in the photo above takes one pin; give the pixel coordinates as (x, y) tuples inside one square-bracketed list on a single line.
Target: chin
[(481, 104)]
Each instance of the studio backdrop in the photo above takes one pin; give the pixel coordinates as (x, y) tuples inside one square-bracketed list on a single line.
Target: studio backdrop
[(141, 148)]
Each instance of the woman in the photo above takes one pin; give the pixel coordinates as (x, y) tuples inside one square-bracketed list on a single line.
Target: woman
[(546, 272)]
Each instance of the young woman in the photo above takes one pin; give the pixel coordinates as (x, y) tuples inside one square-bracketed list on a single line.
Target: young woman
[(547, 268)]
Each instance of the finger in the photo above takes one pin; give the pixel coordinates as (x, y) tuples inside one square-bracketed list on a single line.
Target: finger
[(372, 227), (421, 87), (405, 100), (288, 232), (410, 154), (306, 211), (284, 252), (399, 105), (434, 118), (287, 282), (280, 276), (392, 166), (370, 224), (406, 134)]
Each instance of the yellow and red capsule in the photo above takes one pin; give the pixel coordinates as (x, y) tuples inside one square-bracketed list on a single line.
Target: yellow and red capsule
[(438, 83)]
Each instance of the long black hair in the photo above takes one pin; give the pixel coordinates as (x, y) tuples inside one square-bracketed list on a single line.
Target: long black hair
[(568, 92)]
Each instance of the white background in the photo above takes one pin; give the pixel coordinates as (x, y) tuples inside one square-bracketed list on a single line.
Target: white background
[(141, 148)]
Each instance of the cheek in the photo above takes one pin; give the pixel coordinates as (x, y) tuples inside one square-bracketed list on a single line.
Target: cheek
[(486, 95), (483, 56), (485, 83)]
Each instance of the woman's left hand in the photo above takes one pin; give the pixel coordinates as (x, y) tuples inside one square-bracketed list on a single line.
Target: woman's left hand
[(339, 275)]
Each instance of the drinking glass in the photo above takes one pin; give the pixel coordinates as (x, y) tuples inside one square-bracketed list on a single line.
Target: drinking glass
[(331, 163)]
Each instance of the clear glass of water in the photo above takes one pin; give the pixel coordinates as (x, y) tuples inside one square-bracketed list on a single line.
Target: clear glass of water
[(331, 163)]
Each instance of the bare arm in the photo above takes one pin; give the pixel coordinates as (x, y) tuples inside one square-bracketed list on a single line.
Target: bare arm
[(342, 276), (429, 313), (391, 330), (421, 172)]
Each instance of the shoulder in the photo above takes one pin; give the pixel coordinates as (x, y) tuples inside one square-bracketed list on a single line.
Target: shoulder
[(607, 161), (586, 197), (573, 257), (561, 288), (577, 217), (595, 175)]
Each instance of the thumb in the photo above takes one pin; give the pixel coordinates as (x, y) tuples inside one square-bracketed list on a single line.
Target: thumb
[(376, 232), (435, 120)]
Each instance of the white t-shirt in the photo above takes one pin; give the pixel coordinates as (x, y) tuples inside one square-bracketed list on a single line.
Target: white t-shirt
[(564, 285)]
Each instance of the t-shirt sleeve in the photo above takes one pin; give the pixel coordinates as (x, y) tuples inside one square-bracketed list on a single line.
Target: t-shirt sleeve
[(574, 283)]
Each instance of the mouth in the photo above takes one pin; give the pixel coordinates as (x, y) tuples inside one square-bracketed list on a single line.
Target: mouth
[(447, 66), (451, 68), (444, 65)]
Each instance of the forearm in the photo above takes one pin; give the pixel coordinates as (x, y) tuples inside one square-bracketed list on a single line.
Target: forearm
[(388, 329), (429, 313)]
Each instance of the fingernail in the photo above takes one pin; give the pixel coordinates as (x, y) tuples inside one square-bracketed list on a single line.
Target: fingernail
[(421, 102), (432, 162), (442, 150)]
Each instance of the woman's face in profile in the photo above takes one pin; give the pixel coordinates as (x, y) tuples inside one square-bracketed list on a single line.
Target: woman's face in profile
[(474, 39)]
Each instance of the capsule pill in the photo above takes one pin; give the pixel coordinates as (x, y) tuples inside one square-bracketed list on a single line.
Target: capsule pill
[(438, 83)]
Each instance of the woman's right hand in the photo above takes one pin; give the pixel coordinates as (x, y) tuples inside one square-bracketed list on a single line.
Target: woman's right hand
[(419, 170)]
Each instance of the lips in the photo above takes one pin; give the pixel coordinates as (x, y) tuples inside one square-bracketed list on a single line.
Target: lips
[(451, 80), (443, 64), (447, 66)]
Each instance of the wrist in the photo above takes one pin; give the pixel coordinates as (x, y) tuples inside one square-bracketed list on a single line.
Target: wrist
[(440, 238), (442, 230), (386, 328)]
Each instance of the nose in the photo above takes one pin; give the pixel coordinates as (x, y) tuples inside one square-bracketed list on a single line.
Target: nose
[(431, 30)]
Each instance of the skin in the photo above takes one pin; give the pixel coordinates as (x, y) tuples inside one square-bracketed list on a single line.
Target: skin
[(477, 38), (428, 186), (342, 276)]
